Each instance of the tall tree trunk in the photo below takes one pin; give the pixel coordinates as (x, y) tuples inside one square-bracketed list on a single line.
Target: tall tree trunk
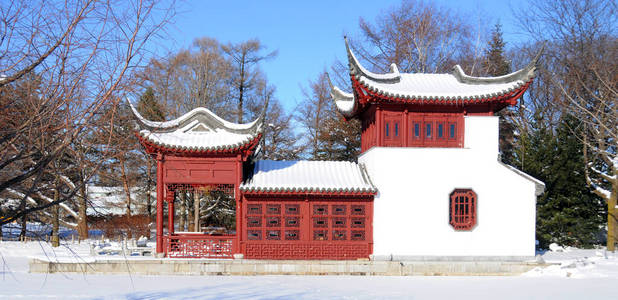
[(612, 219), (24, 227), (241, 90), (182, 210), (190, 210), (55, 239), (22, 233), (127, 192), (196, 209), (82, 221)]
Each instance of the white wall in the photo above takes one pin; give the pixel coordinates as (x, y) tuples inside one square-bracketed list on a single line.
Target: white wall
[(411, 210)]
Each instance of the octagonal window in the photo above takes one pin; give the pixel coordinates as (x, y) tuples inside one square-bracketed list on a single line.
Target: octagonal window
[(462, 209)]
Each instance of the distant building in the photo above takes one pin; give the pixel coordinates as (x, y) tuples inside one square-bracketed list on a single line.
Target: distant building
[(427, 183)]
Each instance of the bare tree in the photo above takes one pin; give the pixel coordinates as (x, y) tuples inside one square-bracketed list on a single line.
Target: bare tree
[(418, 37), (279, 139), (82, 56), (245, 57), (195, 77), (313, 113)]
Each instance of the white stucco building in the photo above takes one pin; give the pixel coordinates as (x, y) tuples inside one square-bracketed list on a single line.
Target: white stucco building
[(430, 147)]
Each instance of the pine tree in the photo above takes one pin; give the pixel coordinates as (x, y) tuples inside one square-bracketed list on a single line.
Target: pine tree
[(496, 64), (567, 213), (149, 107), (153, 110)]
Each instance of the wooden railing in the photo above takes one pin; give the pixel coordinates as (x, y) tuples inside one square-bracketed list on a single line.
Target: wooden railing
[(196, 245)]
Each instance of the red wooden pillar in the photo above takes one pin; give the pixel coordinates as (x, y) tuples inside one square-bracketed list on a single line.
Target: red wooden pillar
[(236, 248), (160, 203), (170, 213), (379, 126), (406, 134)]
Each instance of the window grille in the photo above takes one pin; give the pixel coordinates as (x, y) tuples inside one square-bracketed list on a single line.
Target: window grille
[(462, 208), (292, 222)]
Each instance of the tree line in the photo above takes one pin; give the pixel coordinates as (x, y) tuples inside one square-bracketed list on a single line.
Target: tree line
[(67, 126)]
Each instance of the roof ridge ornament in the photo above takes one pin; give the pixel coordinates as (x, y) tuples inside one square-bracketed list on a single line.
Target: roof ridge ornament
[(345, 102), (356, 69), (524, 74), (202, 115)]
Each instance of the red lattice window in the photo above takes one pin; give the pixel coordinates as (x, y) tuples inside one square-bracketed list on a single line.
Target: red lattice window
[(273, 209), (338, 222), (320, 209), (254, 235), (273, 222), (320, 222), (273, 235), (339, 235), (292, 221), (254, 209), (462, 209), (292, 235), (358, 223), (292, 209), (318, 229), (254, 222), (320, 235), (358, 235), (338, 209), (358, 210)]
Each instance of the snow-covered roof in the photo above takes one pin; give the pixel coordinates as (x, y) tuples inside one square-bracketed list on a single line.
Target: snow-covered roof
[(438, 88), (199, 130), (308, 176), (539, 186)]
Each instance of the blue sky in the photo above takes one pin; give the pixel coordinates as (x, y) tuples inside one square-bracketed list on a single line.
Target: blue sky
[(307, 34)]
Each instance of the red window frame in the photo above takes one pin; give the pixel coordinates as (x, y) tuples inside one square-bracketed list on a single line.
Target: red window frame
[(462, 209), (392, 130), (436, 122)]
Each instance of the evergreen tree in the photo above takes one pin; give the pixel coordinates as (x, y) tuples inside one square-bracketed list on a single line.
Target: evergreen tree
[(496, 64), (149, 107), (567, 213)]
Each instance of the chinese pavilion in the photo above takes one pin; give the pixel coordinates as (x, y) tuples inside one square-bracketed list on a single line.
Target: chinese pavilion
[(284, 209), (428, 182)]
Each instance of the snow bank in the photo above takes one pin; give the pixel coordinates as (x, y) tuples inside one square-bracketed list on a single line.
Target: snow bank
[(578, 263)]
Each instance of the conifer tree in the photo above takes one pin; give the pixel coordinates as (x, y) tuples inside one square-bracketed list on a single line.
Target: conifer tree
[(496, 64), (149, 107), (152, 109), (567, 213)]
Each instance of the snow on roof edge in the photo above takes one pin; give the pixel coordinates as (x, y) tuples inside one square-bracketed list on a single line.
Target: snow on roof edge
[(539, 185)]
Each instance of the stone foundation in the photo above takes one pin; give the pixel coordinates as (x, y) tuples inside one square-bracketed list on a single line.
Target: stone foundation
[(284, 267)]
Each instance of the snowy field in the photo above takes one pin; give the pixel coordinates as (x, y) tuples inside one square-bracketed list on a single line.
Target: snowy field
[(582, 274)]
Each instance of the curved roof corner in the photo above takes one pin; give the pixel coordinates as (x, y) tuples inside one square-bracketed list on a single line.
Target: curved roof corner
[(344, 102)]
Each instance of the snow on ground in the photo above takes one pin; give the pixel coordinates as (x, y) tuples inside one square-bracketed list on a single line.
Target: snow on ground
[(578, 263), (579, 274)]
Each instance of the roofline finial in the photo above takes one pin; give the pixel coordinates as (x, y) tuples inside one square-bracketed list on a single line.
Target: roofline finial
[(524, 74), (535, 61), (356, 69), (137, 116), (264, 110), (330, 83)]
